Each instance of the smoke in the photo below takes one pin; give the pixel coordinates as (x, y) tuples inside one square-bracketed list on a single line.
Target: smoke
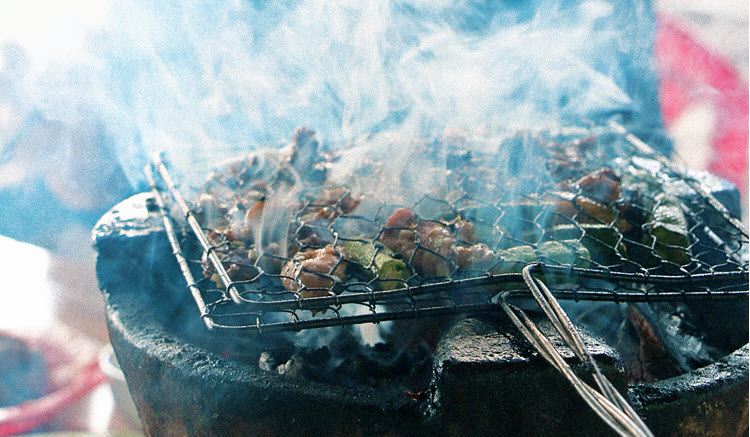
[(204, 81)]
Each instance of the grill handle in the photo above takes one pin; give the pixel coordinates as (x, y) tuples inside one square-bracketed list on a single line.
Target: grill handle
[(607, 403)]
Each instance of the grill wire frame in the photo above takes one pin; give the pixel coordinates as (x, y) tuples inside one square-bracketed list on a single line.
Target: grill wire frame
[(233, 310)]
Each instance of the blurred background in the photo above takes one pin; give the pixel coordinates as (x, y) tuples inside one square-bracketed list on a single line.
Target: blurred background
[(81, 81)]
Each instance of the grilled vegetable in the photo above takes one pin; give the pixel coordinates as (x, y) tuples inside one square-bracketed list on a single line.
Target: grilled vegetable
[(378, 262), (667, 233), (603, 242), (569, 252)]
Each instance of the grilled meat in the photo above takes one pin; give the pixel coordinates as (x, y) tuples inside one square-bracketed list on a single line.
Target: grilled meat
[(602, 185), (236, 258), (426, 245), (313, 272)]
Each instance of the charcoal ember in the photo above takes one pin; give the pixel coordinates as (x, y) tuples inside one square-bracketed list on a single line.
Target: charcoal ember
[(643, 352), (686, 343), (293, 367), (382, 364), (267, 361), (347, 362)]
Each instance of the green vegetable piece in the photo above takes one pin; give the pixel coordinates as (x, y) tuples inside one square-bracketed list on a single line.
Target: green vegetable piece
[(603, 242), (568, 252), (378, 263), (667, 233), (640, 179)]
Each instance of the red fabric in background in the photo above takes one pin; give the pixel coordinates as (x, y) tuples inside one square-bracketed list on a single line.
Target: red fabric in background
[(689, 73)]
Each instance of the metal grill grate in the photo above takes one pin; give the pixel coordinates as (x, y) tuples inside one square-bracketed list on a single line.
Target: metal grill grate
[(662, 237), (645, 232)]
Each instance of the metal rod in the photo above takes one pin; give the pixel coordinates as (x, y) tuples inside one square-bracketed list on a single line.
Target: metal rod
[(176, 249), (194, 225), (608, 404), (391, 295), (300, 325)]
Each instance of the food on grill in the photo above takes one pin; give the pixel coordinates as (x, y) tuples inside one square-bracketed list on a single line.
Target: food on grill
[(568, 159), (602, 185), (586, 210), (313, 272), (378, 263), (668, 231), (604, 243), (569, 252), (426, 245), (664, 223), (235, 256), (432, 249), (279, 214)]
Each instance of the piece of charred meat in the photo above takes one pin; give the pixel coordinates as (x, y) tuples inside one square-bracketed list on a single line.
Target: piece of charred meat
[(314, 272), (435, 248), (425, 245), (474, 257), (583, 209), (236, 258), (602, 185)]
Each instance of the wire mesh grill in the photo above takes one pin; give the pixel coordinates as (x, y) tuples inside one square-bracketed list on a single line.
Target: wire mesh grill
[(601, 227)]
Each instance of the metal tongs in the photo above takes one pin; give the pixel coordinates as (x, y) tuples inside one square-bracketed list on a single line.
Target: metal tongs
[(607, 403)]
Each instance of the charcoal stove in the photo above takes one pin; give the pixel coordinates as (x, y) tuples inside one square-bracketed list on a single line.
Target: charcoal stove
[(186, 380)]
